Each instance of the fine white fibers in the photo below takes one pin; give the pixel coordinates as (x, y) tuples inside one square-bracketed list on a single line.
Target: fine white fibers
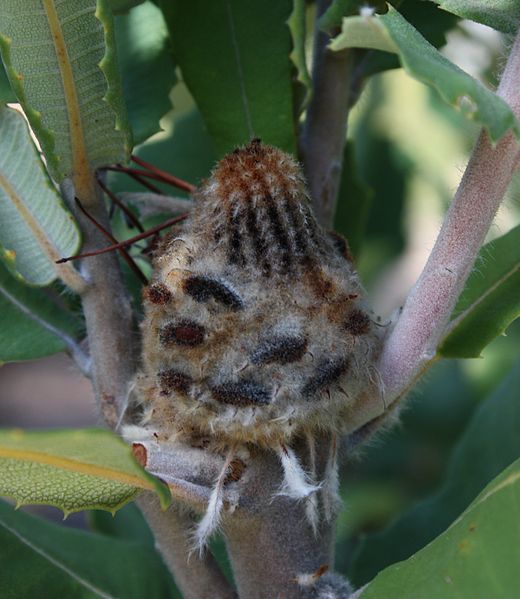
[(306, 580), (296, 483), (330, 488), (311, 512), (311, 502), (211, 519)]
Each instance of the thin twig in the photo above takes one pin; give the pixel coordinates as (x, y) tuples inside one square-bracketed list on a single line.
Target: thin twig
[(108, 314), (151, 204), (166, 177), (126, 256), (412, 345), (122, 169), (126, 242), (197, 577), (324, 132), (128, 213)]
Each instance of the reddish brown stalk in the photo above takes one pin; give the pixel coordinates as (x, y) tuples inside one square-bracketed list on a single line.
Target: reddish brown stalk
[(166, 177), (129, 214), (137, 178), (142, 173), (146, 183), (130, 241), (125, 255)]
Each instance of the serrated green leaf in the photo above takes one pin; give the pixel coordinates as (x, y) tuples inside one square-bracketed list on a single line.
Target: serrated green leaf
[(60, 60), (490, 301), (234, 57), (147, 68), (489, 444), (42, 559), (297, 26), (392, 33), (35, 227), (72, 469), (433, 24), (503, 15), (6, 93), (477, 556), (32, 324)]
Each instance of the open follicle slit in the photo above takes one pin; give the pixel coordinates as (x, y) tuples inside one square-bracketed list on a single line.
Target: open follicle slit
[(151, 172)]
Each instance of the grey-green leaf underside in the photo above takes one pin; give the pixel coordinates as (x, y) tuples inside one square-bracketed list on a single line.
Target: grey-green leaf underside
[(35, 227)]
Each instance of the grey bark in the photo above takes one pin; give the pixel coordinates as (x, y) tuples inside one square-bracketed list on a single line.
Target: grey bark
[(196, 577)]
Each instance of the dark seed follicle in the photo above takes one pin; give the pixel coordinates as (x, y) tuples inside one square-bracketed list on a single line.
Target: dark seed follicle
[(157, 293), (358, 322), (185, 332), (281, 349), (172, 380), (241, 393), (203, 289), (327, 372)]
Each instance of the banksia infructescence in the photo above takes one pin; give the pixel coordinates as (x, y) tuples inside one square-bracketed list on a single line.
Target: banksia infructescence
[(253, 329)]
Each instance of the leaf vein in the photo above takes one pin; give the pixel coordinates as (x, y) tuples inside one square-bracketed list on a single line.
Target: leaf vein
[(54, 561)]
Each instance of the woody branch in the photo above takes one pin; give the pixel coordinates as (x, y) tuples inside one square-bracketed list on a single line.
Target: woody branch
[(324, 131), (114, 349), (108, 315), (411, 346)]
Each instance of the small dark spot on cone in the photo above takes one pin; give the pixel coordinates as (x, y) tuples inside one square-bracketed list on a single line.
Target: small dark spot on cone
[(327, 372), (357, 322), (173, 380), (157, 293), (202, 289), (241, 393), (282, 349), (185, 332)]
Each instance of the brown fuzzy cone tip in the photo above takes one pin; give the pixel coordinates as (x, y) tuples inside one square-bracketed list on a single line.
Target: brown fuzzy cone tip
[(253, 326)]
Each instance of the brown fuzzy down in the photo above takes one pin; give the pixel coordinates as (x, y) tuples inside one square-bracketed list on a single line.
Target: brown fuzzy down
[(254, 327)]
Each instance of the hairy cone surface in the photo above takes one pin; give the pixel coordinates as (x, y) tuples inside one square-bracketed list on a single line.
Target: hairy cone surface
[(253, 329)]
